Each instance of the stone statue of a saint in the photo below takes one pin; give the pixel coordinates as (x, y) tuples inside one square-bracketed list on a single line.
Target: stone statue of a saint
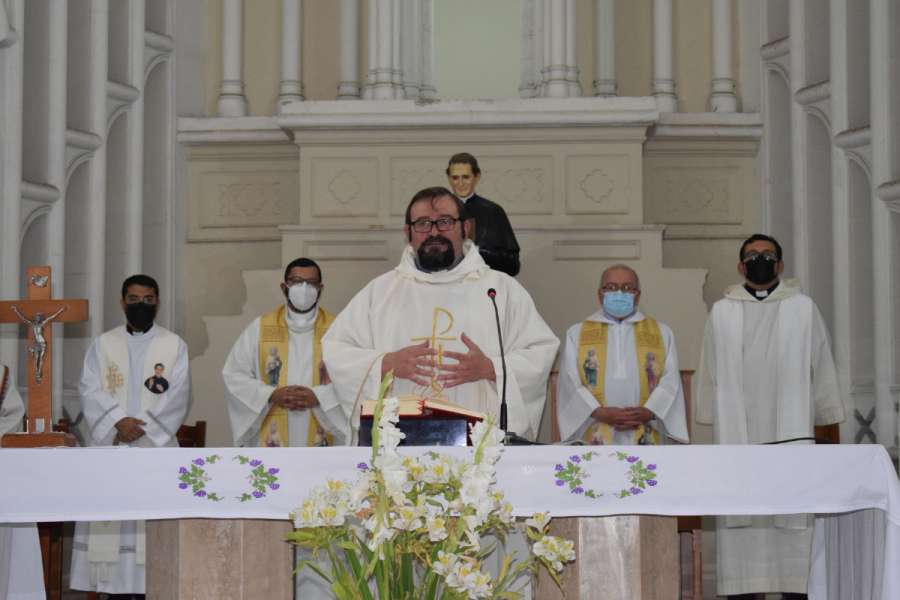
[(38, 343)]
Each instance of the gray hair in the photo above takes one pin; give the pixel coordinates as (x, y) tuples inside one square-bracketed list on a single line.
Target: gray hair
[(621, 267)]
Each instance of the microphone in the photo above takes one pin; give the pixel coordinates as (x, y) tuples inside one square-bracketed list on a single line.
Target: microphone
[(511, 438), (503, 418)]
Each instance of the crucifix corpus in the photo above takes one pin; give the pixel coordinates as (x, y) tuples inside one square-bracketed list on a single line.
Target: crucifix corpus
[(37, 312)]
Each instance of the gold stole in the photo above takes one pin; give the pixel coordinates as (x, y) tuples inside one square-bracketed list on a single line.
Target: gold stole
[(651, 358), (274, 336)]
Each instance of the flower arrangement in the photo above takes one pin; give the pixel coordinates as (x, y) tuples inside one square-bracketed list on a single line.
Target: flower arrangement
[(420, 523)]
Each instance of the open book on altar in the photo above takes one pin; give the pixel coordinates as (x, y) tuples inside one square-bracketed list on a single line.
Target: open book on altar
[(425, 421)]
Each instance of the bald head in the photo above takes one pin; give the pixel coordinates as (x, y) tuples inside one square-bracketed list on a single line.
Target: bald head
[(620, 267)]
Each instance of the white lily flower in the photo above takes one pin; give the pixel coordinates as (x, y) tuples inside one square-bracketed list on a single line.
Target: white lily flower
[(409, 518), (437, 528), (482, 588), (445, 563), (538, 521)]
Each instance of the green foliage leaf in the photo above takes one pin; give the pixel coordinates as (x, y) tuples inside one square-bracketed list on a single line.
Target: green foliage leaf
[(510, 595), (347, 545), (315, 568)]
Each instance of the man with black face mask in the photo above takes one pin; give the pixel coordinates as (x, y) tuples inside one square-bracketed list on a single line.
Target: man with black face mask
[(766, 374), (120, 409)]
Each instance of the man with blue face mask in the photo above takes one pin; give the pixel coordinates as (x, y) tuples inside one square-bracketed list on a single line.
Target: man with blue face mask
[(619, 381)]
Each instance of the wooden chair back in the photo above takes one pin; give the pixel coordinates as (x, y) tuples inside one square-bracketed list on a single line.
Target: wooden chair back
[(192, 436)]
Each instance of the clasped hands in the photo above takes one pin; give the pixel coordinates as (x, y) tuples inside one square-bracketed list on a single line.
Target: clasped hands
[(294, 397), (415, 364), (128, 430), (623, 419)]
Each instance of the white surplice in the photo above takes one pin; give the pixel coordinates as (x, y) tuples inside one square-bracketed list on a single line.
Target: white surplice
[(21, 569), (102, 413), (766, 374), (248, 395), (622, 386), (407, 306)]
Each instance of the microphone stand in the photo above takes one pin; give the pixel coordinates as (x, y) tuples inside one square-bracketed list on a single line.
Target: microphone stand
[(511, 438)]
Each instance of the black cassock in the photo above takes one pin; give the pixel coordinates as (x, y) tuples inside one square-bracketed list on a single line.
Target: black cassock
[(494, 235)]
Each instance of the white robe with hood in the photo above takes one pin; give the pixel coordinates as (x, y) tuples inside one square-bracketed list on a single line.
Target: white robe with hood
[(622, 387), (405, 306), (766, 374)]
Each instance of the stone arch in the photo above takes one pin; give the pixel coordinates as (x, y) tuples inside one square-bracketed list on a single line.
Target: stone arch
[(779, 164), (819, 216)]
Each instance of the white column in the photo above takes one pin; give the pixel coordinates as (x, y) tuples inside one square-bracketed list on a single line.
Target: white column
[(232, 102), (371, 47), (527, 88), (96, 251), (545, 45), (885, 150), (572, 49), (428, 90), (383, 74), (57, 30), (348, 85), (11, 78), (134, 216), (411, 28), (397, 51), (605, 48), (663, 57), (723, 98), (291, 89), (558, 74)]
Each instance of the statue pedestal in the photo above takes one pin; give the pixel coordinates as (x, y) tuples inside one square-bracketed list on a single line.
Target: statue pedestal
[(219, 558), (626, 557)]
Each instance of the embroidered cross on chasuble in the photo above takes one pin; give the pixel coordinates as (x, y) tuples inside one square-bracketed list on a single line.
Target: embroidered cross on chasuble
[(273, 368), (651, 358)]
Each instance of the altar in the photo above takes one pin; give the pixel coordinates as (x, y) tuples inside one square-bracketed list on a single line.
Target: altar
[(853, 490)]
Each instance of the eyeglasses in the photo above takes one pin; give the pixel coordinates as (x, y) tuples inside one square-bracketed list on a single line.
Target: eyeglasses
[(299, 280), (611, 288), (768, 255), (425, 226), (137, 300)]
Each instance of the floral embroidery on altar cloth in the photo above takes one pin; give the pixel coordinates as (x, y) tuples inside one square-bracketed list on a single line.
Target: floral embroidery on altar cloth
[(196, 477), (575, 472)]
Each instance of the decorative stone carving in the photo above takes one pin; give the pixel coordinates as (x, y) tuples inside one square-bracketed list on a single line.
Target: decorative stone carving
[(695, 196), (344, 187), (522, 190), (597, 184), (250, 199), (692, 195), (409, 175)]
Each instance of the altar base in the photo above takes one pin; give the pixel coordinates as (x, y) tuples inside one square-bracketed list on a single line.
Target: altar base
[(618, 558), (221, 559)]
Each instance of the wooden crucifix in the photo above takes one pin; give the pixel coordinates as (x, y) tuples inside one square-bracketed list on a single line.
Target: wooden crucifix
[(38, 312)]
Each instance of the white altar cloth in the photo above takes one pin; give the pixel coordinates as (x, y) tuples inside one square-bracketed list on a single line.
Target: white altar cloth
[(833, 481)]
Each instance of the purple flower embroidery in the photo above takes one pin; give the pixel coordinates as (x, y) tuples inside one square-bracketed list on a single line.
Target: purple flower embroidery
[(183, 471), (198, 461), (362, 466), (575, 459), (651, 467), (201, 493), (560, 482), (559, 467), (578, 490), (182, 486), (274, 486), (255, 463), (632, 459), (651, 482), (258, 495), (272, 471), (636, 490)]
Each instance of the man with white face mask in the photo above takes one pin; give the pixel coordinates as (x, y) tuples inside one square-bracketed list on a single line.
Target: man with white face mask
[(279, 393), (619, 381)]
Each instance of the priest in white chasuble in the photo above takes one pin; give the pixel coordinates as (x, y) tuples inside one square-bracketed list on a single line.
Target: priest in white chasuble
[(279, 393), (766, 375), (135, 389), (619, 381), (431, 321), (21, 569)]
